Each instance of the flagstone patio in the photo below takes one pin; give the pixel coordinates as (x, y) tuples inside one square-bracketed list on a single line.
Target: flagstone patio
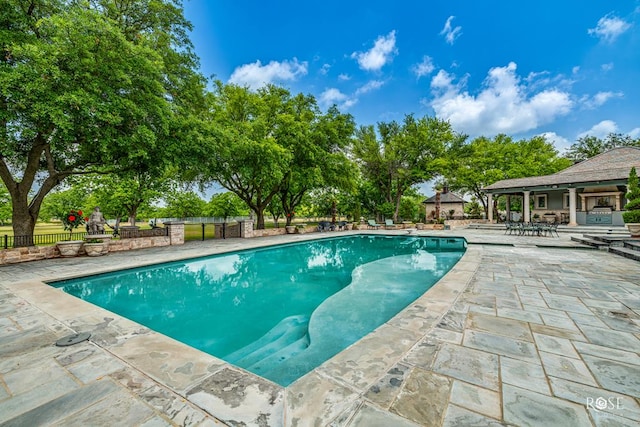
[(515, 334)]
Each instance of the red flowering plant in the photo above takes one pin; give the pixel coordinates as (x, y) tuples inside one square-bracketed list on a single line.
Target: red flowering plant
[(72, 220)]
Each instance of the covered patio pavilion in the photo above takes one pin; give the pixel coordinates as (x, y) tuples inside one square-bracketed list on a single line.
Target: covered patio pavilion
[(588, 193)]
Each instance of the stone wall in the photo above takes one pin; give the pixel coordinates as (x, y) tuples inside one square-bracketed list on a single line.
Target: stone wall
[(33, 253), (280, 231), (176, 232), (458, 223), (139, 243), (269, 232)]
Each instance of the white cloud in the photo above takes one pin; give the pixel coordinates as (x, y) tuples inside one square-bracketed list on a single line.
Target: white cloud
[(424, 68), (601, 130), (504, 105), (607, 67), (575, 69), (325, 69), (635, 133), (450, 34), (344, 77), (372, 85), (609, 28), (599, 99), (256, 75), (380, 54), (561, 143), (334, 96)]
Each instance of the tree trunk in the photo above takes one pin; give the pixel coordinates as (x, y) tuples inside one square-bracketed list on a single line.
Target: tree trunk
[(260, 216), (23, 225), (132, 215), (396, 212)]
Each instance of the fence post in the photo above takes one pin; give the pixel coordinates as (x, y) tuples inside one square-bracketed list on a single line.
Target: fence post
[(203, 231), (6, 241)]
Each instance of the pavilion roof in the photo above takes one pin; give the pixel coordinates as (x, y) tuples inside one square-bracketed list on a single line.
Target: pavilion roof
[(612, 165), (446, 198)]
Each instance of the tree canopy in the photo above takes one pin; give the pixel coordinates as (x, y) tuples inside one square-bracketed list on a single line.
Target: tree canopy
[(483, 161), (89, 87), (268, 145), (589, 146), (404, 154)]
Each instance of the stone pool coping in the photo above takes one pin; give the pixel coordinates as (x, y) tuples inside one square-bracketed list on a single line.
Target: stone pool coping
[(229, 393)]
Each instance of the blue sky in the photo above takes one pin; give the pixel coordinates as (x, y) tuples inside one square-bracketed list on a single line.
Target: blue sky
[(563, 68)]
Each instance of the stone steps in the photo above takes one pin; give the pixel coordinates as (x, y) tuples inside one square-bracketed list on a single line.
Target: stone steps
[(626, 252), (591, 242), (623, 245), (580, 229)]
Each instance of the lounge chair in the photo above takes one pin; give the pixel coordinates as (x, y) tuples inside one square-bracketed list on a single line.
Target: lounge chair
[(388, 224), (372, 224), (325, 226)]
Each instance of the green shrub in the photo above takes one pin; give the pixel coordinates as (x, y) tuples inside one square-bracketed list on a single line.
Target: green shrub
[(631, 216), (632, 208)]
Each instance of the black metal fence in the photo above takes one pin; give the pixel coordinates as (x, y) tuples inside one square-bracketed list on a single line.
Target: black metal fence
[(132, 232), (38, 239)]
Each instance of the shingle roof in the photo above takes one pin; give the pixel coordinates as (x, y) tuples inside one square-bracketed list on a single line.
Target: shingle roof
[(613, 165), (445, 198)]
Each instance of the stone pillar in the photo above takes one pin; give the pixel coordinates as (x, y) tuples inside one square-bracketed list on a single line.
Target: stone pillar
[(246, 228), (176, 232), (572, 207), (525, 206), (490, 207)]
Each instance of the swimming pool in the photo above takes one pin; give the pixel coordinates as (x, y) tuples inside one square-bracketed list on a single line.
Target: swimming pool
[(279, 311)]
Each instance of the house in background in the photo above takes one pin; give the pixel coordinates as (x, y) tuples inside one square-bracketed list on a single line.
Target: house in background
[(451, 205), (589, 192)]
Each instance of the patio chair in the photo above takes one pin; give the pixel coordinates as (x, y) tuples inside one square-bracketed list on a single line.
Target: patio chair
[(553, 228), (510, 228), (372, 224), (324, 226), (389, 225)]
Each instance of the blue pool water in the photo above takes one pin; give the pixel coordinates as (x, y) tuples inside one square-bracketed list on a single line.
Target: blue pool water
[(278, 311)]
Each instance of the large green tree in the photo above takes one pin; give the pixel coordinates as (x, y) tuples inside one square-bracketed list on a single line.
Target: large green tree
[(589, 146), (268, 146), (184, 204), (401, 155), (241, 151), (89, 87), (318, 150), (123, 195), (483, 161), (226, 205)]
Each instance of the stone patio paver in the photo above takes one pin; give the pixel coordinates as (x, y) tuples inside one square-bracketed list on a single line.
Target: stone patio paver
[(526, 408), (623, 405), (515, 335), (478, 399), (525, 375)]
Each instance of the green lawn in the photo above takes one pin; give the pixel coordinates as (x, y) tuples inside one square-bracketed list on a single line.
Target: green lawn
[(56, 227)]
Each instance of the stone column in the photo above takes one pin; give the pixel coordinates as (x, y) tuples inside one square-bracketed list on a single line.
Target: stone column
[(490, 207), (246, 228), (583, 198), (572, 207), (176, 232), (525, 206)]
